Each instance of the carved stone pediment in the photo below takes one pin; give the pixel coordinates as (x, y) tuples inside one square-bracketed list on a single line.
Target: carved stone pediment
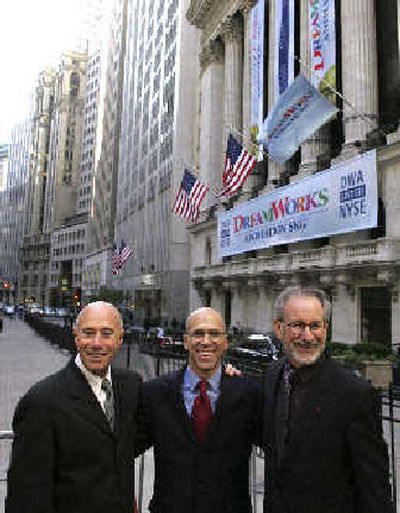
[(197, 12)]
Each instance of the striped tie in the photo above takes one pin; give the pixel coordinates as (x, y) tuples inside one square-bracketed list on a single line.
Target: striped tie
[(109, 402)]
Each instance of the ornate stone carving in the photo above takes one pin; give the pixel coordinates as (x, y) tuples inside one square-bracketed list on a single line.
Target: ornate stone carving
[(247, 5), (232, 29), (212, 53), (198, 9)]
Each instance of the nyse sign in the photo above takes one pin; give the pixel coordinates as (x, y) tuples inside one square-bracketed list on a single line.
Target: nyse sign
[(341, 199)]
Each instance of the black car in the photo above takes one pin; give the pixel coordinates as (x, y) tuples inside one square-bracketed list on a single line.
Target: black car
[(257, 348)]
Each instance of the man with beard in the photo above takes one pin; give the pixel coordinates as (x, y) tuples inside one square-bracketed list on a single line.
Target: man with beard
[(202, 424), (321, 430)]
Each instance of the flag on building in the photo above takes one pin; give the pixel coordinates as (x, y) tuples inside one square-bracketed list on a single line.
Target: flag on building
[(115, 267), (190, 196), (124, 253), (298, 113), (284, 45), (119, 257), (239, 163)]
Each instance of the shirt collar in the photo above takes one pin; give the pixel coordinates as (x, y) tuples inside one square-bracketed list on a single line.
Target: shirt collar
[(191, 379), (306, 372), (93, 379)]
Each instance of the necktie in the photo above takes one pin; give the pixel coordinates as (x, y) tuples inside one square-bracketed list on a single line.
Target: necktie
[(289, 380), (202, 411), (109, 402)]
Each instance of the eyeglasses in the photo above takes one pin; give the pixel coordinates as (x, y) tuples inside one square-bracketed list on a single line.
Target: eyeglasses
[(92, 334), (300, 327), (201, 334)]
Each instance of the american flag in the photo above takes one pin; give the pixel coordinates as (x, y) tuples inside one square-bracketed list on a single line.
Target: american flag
[(189, 197), (119, 257), (239, 163)]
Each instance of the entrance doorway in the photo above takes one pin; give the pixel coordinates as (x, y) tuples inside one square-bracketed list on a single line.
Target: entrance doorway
[(376, 315)]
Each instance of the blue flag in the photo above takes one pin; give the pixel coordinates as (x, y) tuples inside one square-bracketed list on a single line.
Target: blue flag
[(299, 112)]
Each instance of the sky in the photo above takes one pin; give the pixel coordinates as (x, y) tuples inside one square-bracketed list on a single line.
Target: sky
[(33, 34)]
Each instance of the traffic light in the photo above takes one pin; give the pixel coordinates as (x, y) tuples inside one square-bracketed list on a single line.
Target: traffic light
[(77, 297), (6, 285)]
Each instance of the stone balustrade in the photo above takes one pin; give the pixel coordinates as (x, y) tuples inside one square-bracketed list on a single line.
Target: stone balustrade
[(327, 258)]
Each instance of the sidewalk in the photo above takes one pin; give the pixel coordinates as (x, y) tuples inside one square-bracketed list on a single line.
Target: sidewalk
[(24, 359)]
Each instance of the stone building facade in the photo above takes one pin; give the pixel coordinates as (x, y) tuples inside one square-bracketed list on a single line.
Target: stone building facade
[(360, 270)]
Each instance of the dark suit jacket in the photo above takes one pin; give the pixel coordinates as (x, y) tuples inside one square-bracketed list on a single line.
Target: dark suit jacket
[(336, 460), (201, 478), (65, 457)]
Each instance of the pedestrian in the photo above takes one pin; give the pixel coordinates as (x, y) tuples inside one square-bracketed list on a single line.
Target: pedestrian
[(74, 432), (202, 424), (322, 434)]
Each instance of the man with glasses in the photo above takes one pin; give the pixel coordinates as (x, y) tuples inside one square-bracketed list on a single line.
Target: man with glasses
[(322, 433), (75, 431), (202, 424)]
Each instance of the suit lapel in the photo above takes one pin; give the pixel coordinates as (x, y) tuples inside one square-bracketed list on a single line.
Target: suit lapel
[(176, 397), (125, 392), (83, 400), (271, 381)]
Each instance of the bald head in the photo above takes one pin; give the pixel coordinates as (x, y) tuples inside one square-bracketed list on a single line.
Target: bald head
[(98, 336), (204, 311), (100, 308)]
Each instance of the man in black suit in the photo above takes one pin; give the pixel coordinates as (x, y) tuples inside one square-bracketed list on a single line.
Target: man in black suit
[(322, 433), (202, 424), (74, 432)]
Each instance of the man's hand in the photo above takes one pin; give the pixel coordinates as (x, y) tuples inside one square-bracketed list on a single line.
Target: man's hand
[(230, 370)]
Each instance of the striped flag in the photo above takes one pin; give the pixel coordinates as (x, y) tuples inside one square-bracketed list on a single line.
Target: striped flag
[(239, 163), (119, 257), (190, 196)]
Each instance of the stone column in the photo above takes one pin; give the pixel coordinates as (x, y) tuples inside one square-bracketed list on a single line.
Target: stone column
[(318, 143), (246, 8), (232, 31), (211, 114), (359, 72), (274, 169)]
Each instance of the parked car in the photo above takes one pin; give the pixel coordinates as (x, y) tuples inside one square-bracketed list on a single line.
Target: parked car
[(256, 347)]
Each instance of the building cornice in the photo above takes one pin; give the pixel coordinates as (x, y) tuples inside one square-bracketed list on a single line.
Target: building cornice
[(197, 12), (200, 11)]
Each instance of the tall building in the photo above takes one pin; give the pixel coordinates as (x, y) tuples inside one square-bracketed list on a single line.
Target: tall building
[(105, 175), (159, 94), (4, 220), (14, 211), (360, 269), (35, 251), (65, 140)]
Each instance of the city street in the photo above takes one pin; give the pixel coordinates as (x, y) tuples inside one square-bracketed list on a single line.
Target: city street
[(25, 358)]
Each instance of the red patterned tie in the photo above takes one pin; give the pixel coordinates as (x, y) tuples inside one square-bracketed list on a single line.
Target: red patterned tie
[(202, 411)]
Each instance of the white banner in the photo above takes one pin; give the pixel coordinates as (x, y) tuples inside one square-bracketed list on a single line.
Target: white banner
[(323, 46), (256, 70), (339, 200), (284, 46)]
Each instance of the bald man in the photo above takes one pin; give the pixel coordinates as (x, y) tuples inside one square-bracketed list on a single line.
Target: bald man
[(75, 431), (202, 424)]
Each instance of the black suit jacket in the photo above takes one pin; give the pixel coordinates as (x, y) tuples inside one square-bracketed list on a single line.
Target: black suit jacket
[(65, 457), (201, 478), (336, 460)]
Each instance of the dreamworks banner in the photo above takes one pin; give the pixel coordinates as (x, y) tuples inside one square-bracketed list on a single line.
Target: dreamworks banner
[(256, 70), (323, 46), (284, 46), (339, 200)]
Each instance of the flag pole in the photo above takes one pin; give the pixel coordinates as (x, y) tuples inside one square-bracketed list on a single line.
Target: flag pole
[(251, 142), (341, 96)]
